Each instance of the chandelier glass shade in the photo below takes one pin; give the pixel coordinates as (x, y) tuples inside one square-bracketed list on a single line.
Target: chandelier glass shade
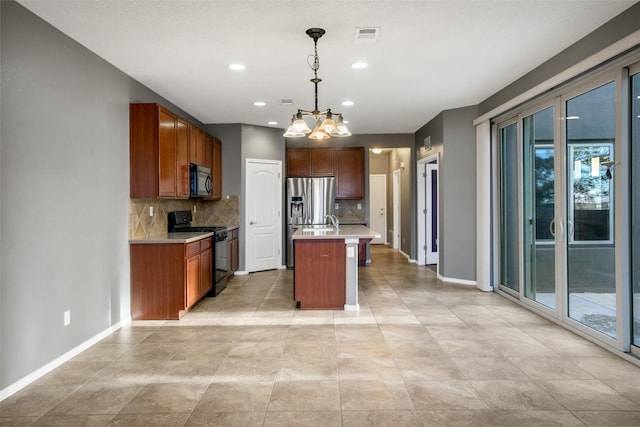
[(326, 124)]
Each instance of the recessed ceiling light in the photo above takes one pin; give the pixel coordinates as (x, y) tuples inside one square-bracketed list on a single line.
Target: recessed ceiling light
[(273, 123), (347, 103), (237, 67), (359, 65), (259, 103)]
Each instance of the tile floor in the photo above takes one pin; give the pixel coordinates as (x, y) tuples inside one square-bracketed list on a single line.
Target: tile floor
[(419, 353)]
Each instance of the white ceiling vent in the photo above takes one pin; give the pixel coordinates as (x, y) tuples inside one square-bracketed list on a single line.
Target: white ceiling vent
[(286, 101), (367, 35)]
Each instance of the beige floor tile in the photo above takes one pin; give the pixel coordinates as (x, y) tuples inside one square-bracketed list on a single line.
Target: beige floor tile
[(165, 399), (516, 396), (374, 395), (551, 369), (246, 370), (315, 367), (460, 418), (95, 398), (467, 348), (629, 388), (35, 400), (444, 394), (226, 419), (540, 418), (236, 397), (71, 421), (195, 371), (428, 368), (609, 418), (368, 369), (148, 420), (380, 418), (585, 395), (305, 396), (487, 368), (364, 349), (303, 419)]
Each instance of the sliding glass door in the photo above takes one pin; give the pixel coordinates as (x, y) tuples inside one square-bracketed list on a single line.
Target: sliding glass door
[(590, 122), (635, 205), (539, 207), (557, 221), (509, 224)]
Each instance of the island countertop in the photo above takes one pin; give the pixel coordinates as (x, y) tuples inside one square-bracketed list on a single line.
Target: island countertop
[(171, 238), (345, 231)]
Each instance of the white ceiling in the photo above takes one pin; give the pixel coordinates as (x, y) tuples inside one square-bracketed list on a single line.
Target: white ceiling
[(430, 55)]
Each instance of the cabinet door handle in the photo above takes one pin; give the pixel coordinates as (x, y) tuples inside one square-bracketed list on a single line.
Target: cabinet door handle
[(252, 222)]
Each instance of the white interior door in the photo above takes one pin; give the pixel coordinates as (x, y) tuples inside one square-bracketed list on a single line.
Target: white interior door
[(431, 242), (378, 206), (396, 209), (263, 223)]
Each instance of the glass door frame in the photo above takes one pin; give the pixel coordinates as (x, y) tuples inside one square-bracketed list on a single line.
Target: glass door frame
[(621, 195), (497, 130), (626, 170), (559, 172)]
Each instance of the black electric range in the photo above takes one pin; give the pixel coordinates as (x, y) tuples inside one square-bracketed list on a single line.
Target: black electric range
[(180, 222)]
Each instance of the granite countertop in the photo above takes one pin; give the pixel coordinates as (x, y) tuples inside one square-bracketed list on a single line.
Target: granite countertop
[(345, 231), (171, 238)]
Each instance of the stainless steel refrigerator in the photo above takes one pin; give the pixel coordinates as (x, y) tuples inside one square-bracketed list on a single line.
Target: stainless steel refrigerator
[(309, 201)]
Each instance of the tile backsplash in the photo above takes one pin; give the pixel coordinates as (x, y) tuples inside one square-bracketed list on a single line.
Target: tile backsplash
[(225, 212), (348, 210)]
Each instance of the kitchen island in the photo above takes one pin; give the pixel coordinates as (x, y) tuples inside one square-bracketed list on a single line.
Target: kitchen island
[(326, 265)]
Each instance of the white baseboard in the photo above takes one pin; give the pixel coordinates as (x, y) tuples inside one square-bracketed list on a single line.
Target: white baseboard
[(40, 372), (457, 281), (241, 273)]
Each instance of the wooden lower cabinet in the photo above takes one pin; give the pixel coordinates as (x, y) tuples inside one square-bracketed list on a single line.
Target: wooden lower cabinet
[(320, 273), (168, 278)]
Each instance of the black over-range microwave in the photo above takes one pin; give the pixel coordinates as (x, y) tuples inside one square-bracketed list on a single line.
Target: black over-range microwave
[(200, 181)]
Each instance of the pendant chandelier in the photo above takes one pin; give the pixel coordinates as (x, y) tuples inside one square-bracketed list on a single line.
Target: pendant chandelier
[(326, 123)]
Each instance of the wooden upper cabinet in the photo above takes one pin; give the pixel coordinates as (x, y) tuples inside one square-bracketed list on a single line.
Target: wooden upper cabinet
[(321, 161), (298, 162), (182, 159), (167, 153), (161, 146), (196, 146), (310, 162), (216, 170), (349, 171)]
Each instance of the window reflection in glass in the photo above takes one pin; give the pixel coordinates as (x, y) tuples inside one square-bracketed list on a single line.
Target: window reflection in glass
[(635, 204), (509, 241), (591, 210), (591, 281)]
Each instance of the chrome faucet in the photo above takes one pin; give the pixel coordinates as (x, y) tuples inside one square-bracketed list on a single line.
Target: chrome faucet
[(333, 220)]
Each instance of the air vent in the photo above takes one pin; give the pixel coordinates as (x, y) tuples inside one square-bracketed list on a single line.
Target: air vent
[(367, 35), (286, 101)]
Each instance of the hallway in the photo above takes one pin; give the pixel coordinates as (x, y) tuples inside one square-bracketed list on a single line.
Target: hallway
[(418, 353)]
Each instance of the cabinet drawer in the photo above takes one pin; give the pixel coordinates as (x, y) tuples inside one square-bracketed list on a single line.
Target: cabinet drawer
[(233, 234), (205, 243), (192, 248)]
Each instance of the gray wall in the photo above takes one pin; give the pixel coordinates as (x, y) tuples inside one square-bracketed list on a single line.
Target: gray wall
[(453, 136), (64, 192), (231, 137), (241, 142)]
